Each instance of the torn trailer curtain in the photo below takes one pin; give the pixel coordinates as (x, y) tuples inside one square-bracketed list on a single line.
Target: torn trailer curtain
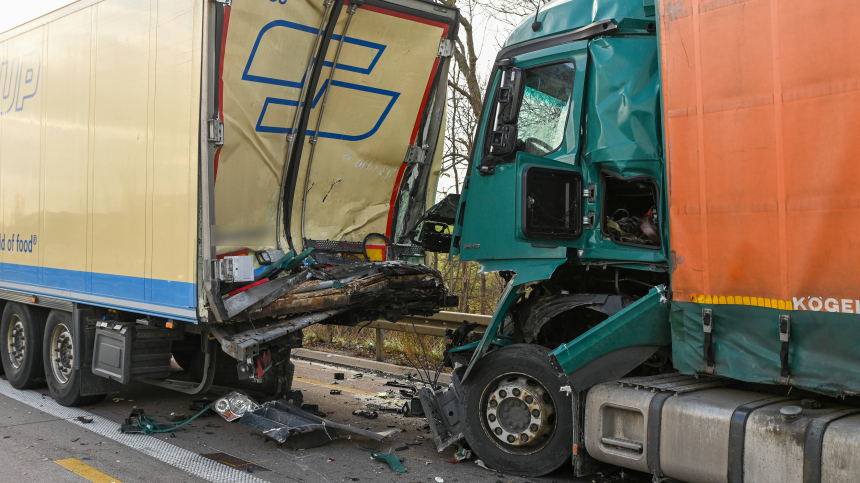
[(376, 103)]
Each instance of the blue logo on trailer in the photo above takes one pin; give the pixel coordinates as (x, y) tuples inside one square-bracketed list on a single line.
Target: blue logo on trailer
[(366, 70), (19, 81)]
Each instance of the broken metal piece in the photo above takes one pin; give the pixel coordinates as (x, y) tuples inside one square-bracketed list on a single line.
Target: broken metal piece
[(282, 421), (442, 412)]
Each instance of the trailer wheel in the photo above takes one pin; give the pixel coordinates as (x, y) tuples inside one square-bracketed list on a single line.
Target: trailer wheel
[(20, 347), (64, 382), (515, 416)]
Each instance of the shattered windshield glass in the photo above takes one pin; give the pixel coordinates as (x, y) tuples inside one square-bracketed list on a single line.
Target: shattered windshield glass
[(546, 102)]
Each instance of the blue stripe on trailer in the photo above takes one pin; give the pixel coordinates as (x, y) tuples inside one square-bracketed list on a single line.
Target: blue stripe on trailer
[(164, 298)]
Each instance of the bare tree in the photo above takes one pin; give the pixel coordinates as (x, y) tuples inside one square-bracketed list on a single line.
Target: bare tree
[(484, 24)]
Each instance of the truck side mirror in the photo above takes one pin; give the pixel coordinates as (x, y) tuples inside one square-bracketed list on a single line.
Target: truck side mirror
[(510, 96), (504, 138)]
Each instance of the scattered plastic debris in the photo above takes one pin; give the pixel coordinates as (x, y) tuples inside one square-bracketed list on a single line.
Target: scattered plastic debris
[(462, 454), (84, 419), (394, 461), (335, 392), (439, 479), (233, 406), (177, 417), (383, 395), (118, 399), (483, 465), (358, 375), (339, 376)]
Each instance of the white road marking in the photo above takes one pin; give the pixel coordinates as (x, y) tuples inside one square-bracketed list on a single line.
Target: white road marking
[(182, 459)]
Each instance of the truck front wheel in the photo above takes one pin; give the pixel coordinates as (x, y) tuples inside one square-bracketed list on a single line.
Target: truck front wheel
[(64, 382), (516, 418)]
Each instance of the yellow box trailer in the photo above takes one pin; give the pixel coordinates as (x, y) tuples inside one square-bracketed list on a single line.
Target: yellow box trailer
[(158, 155)]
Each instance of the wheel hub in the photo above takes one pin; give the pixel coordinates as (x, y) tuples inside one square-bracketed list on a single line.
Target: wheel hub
[(519, 411), (62, 350), (16, 342)]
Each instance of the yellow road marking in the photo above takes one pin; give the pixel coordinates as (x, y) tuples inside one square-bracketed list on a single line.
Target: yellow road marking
[(334, 386), (86, 471)]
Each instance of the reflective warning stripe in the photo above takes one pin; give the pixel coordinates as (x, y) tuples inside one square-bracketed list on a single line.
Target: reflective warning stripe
[(743, 300), (86, 471)]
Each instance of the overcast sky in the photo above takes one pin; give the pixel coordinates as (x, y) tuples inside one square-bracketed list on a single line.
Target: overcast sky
[(16, 12)]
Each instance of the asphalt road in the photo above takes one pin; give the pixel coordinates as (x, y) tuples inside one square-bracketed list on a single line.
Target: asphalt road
[(42, 441)]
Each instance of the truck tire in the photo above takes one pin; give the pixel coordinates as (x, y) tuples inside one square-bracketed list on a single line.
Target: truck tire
[(21, 346), (515, 416), (64, 382)]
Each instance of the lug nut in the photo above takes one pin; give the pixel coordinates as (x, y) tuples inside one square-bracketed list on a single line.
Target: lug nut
[(529, 399), (524, 437), (511, 438), (503, 394), (493, 404), (535, 413), (498, 431), (534, 428), (516, 392), (492, 418)]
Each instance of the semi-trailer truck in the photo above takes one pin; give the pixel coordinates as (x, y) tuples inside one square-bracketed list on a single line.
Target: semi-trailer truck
[(184, 179), (668, 187)]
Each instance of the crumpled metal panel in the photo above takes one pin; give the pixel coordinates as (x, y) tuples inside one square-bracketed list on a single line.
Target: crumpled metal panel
[(382, 287), (282, 421)]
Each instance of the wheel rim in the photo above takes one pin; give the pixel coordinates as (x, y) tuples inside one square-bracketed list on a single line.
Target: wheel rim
[(16, 342), (518, 414), (61, 355)]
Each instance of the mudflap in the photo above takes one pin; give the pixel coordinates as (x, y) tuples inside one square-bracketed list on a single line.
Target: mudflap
[(442, 410)]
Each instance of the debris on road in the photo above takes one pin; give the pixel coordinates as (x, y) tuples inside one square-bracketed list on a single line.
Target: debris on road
[(139, 422), (394, 461), (462, 454), (391, 408), (281, 421), (366, 414), (335, 392), (339, 376), (84, 419), (234, 405)]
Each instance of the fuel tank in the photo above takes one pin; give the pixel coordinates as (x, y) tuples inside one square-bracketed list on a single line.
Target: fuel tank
[(701, 430)]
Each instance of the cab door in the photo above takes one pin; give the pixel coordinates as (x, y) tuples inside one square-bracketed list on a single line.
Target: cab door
[(523, 198)]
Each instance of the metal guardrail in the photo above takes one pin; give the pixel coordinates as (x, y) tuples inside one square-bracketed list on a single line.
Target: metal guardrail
[(434, 326)]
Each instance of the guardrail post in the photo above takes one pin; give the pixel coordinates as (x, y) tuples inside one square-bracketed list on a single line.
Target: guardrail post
[(380, 345)]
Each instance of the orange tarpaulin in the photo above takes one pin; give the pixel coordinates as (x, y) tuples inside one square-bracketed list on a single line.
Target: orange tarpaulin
[(762, 119)]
